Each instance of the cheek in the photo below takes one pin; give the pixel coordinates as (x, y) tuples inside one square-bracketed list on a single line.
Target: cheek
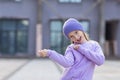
[(72, 40), (81, 36)]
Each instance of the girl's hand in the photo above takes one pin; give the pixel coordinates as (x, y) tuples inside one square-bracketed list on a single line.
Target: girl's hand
[(76, 47), (43, 53)]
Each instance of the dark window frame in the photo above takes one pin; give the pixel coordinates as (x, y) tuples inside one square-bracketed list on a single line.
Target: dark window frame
[(55, 31), (16, 33)]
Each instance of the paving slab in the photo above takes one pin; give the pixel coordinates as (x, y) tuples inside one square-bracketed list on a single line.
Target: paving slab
[(9, 66), (38, 69), (109, 71)]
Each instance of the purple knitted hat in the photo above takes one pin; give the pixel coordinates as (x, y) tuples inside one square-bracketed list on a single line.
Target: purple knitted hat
[(70, 25)]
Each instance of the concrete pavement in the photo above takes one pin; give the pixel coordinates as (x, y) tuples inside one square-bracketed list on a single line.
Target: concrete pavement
[(45, 69), (109, 71), (9, 66), (42, 69)]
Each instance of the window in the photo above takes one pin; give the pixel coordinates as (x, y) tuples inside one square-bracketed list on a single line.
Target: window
[(57, 40), (13, 36), (70, 1), (85, 25), (17, 0), (10, 0), (56, 28)]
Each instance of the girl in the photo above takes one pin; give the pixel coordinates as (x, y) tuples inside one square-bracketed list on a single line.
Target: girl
[(80, 57)]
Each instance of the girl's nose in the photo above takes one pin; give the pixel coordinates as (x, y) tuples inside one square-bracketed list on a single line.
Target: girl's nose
[(76, 37)]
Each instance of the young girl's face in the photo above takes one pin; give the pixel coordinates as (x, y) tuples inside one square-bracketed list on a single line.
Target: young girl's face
[(77, 37)]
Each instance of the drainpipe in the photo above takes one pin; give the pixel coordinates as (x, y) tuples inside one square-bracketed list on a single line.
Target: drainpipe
[(101, 24), (39, 27)]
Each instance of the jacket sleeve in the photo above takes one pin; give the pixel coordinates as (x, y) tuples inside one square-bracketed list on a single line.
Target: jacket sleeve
[(95, 54), (66, 60)]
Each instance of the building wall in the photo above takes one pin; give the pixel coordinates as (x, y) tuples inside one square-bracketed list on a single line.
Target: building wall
[(112, 12), (63, 11), (112, 9), (26, 9), (86, 10), (52, 9)]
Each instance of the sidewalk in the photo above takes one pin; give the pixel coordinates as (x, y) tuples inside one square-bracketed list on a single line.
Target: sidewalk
[(109, 71), (45, 69), (9, 66), (36, 69)]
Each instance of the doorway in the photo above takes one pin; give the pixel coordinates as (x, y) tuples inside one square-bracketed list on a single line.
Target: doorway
[(111, 37)]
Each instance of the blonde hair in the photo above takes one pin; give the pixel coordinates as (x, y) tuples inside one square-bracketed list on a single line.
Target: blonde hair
[(86, 36)]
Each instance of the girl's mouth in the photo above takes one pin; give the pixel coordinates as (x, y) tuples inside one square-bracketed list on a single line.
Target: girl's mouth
[(78, 40)]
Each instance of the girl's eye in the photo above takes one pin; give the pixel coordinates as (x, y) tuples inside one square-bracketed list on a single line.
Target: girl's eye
[(71, 36), (76, 32)]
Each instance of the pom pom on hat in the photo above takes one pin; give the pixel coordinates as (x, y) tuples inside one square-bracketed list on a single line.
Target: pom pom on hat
[(71, 25)]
